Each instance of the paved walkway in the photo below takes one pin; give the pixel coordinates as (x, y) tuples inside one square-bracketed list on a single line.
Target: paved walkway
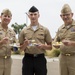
[(52, 65)]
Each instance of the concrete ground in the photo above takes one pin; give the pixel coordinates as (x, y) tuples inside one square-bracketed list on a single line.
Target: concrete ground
[(52, 65)]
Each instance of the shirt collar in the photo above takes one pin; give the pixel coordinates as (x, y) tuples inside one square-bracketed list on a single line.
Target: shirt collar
[(1, 28), (73, 23), (39, 26)]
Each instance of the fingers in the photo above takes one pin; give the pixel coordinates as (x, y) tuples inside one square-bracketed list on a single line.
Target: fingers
[(66, 42), (5, 40)]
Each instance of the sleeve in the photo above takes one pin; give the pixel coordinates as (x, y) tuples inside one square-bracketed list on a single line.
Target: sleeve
[(57, 38), (48, 37), (21, 37), (13, 35)]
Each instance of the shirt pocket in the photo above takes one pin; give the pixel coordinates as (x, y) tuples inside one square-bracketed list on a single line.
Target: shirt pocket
[(71, 36), (40, 36), (1, 35), (28, 35)]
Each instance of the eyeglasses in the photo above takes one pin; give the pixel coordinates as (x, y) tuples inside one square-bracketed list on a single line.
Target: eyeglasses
[(65, 15)]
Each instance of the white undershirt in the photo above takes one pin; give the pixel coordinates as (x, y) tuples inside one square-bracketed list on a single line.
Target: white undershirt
[(34, 27)]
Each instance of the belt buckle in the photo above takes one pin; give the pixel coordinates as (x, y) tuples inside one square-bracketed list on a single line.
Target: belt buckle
[(35, 55), (68, 54), (5, 57)]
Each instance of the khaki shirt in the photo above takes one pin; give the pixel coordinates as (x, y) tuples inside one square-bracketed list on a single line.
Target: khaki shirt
[(40, 35), (5, 49), (66, 32)]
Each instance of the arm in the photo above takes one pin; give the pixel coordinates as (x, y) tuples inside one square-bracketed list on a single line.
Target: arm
[(45, 46), (4, 40), (57, 41), (1, 42), (68, 42), (24, 45), (48, 40)]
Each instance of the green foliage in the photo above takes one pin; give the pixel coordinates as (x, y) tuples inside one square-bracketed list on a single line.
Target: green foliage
[(56, 52), (17, 28), (53, 53)]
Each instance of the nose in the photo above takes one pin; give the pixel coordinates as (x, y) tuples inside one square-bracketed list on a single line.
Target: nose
[(7, 17), (33, 15), (64, 16)]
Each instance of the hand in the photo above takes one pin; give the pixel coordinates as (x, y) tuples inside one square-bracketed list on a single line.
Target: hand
[(67, 42), (41, 46), (25, 44), (5, 40)]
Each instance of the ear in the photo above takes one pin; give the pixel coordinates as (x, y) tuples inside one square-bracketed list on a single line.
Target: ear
[(28, 15), (60, 15), (72, 14), (38, 15), (0, 17)]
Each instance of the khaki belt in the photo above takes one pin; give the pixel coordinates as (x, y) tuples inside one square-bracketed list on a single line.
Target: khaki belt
[(68, 54), (5, 57)]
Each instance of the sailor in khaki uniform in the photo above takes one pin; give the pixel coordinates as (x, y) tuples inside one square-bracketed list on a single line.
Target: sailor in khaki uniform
[(32, 40), (66, 34), (5, 49)]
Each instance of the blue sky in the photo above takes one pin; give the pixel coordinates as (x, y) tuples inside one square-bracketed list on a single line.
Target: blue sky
[(49, 11)]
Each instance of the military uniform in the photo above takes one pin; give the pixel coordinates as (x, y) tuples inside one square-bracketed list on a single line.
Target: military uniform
[(5, 52), (34, 57), (5, 49), (41, 35), (67, 53)]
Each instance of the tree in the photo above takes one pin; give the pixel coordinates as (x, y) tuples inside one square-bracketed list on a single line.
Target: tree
[(17, 28)]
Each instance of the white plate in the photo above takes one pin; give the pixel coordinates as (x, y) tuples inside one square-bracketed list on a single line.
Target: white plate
[(14, 45)]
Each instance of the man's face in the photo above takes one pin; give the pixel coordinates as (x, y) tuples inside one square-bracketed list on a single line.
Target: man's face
[(33, 16), (5, 19), (67, 18)]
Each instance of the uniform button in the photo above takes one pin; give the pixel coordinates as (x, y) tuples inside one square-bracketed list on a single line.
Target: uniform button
[(5, 57)]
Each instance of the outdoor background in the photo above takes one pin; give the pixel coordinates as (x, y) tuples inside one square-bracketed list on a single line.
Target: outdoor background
[(49, 11)]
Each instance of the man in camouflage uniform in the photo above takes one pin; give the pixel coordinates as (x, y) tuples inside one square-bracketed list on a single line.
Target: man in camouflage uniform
[(5, 49), (66, 34), (34, 61)]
